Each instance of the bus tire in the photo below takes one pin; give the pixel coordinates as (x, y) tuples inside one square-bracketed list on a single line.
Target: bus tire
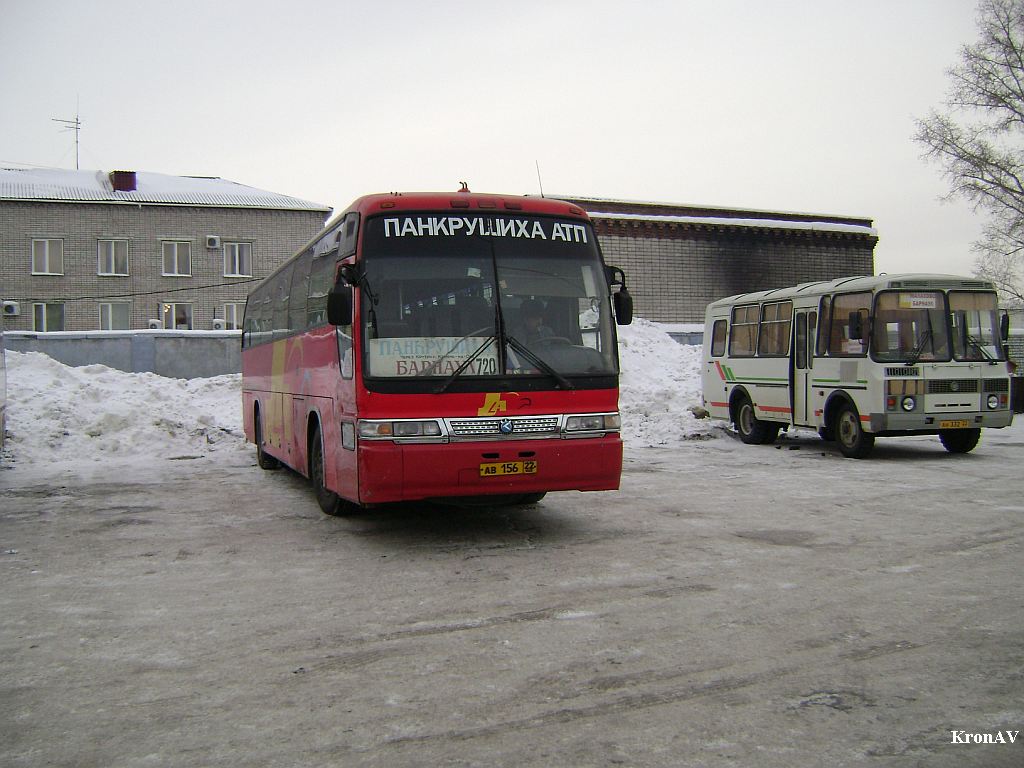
[(752, 430), (330, 502), (854, 442), (959, 440), (263, 459)]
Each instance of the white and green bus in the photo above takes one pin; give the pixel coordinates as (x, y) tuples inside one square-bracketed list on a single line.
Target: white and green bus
[(859, 358)]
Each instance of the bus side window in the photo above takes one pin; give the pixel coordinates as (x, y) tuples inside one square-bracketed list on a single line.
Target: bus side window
[(718, 336), (743, 333), (297, 319), (824, 325), (280, 310), (321, 278)]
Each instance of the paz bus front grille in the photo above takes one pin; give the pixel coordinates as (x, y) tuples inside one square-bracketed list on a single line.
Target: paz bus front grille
[(946, 386)]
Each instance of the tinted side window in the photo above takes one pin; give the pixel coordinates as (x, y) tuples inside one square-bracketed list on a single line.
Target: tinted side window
[(718, 336)]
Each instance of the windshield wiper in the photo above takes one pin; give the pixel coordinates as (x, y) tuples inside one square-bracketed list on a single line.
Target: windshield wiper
[(916, 353), (521, 348), (973, 341)]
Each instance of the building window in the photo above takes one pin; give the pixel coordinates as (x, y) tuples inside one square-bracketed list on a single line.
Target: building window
[(237, 259), (115, 316), (233, 316), (47, 257), (112, 257), (47, 317), (177, 317), (177, 258)]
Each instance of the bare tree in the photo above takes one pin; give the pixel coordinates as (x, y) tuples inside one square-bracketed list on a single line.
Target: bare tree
[(979, 140)]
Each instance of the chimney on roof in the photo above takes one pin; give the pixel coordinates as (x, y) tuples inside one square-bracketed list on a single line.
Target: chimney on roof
[(123, 181)]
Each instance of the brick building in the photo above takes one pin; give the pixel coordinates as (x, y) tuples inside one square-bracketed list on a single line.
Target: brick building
[(679, 258), (89, 250)]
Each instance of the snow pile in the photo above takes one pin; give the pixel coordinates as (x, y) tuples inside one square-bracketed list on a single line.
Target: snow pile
[(75, 417), (79, 416), (660, 382)]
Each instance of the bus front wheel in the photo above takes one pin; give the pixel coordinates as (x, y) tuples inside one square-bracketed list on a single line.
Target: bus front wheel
[(751, 429), (959, 440), (854, 442), (330, 502)]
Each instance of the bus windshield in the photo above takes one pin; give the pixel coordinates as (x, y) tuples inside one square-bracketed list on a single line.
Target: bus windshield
[(477, 295), (975, 319), (910, 326)]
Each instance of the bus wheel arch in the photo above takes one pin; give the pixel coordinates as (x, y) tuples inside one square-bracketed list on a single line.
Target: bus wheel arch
[(263, 459), (853, 441), (330, 502), (752, 430)]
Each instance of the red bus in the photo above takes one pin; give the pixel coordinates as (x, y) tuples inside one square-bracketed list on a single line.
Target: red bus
[(439, 346)]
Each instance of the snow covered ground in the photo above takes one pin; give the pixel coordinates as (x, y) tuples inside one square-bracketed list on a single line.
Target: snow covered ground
[(82, 420)]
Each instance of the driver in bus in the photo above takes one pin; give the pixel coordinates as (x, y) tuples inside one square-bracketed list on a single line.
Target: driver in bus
[(531, 318)]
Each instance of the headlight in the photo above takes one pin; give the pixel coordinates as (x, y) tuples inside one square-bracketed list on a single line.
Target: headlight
[(908, 404), (379, 430), (598, 422), (993, 402)]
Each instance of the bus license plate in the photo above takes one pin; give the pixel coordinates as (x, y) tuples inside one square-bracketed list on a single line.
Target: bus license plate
[(955, 424), (508, 468)]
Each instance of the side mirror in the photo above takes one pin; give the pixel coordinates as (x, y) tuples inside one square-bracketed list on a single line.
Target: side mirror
[(339, 305), (1004, 327), (622, 302), (623, 305)]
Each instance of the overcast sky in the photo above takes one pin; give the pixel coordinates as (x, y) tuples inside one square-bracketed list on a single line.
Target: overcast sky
[(790, 106)]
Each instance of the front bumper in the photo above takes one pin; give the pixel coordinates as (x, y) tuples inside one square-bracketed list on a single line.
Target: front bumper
[(390, 472), (909, 423)]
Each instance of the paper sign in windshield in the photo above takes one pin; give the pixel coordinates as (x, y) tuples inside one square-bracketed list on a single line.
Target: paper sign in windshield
[(431, 356), (919, 301)]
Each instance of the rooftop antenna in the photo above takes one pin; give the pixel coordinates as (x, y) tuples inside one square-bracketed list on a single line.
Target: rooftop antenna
[(71, 125), (539, 182)]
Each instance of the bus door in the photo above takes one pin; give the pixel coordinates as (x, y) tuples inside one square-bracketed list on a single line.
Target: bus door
[(804, 327)]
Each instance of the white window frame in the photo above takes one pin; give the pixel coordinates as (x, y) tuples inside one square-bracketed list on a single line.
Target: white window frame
[(233, 314), (47, 257), (235, 254), (106, 312), (110, 245), (178, 246), (45, 324), (169, 309)]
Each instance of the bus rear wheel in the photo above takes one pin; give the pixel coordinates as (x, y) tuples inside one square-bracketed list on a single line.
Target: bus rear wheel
[(330, 502), (959, 440), (854, 442), (751, 429)]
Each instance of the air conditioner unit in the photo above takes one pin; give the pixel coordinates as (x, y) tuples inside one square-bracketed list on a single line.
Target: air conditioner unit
[(218, 324), (156, 324), (212, 241), (12, 309)]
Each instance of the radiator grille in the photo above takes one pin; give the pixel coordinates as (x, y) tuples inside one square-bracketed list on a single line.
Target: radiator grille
[(997, 385), (945, 386), (903, 370), (490, 427)]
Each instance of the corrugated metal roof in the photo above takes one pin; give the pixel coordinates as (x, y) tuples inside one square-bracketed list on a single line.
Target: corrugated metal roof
[(57, 185)]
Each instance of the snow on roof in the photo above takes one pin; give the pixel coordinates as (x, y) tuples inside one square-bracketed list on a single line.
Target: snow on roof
[(60, 185), (708, 215), (723, 221)]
